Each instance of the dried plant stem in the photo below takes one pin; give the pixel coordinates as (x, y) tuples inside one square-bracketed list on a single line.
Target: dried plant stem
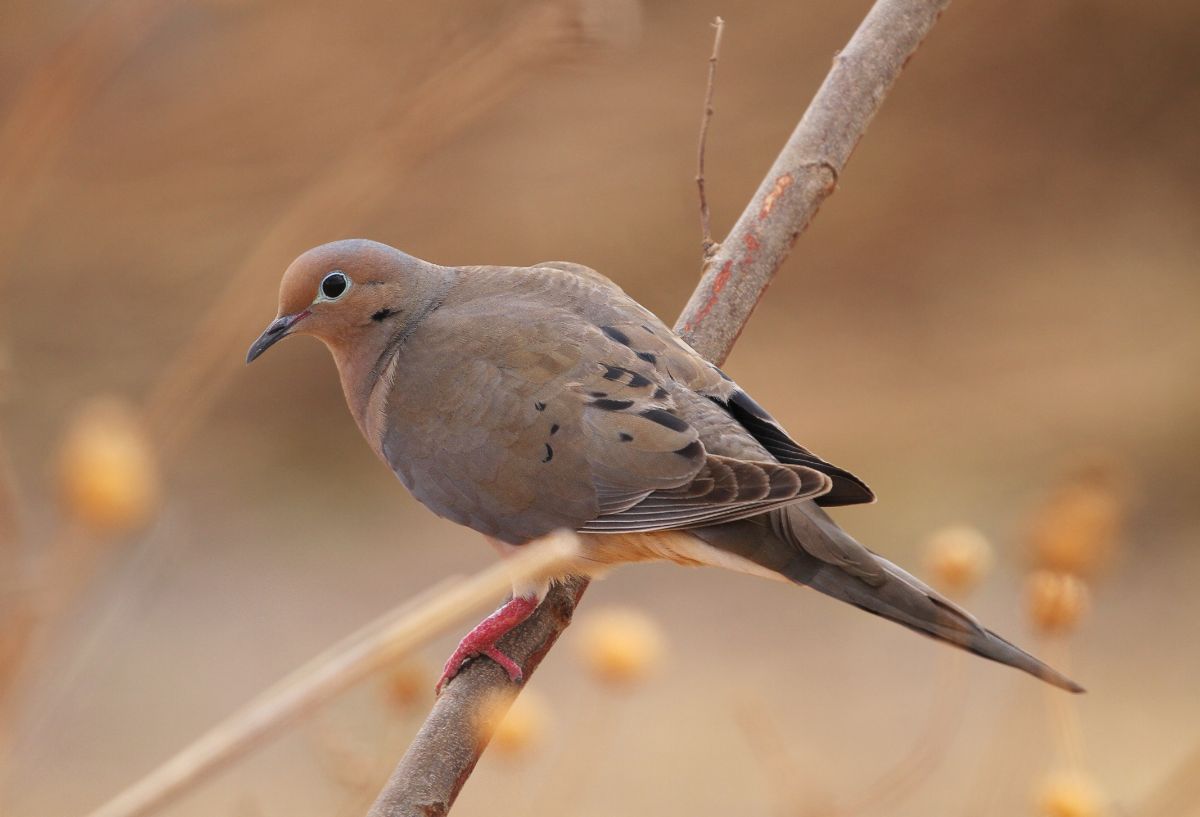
[(10, 516), (38, 122), (36, 126), (446, 749), (384, 641), (1064, 711), (930, 749), (1178, 794), (477, 77), (16, 602), (707, 245), (793, 792), (473, 79)]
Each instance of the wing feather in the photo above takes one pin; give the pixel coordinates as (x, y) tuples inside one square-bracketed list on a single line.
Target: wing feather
[(723, 490), (597, 417)]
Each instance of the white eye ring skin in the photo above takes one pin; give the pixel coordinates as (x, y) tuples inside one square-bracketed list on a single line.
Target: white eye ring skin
[(331, 280)]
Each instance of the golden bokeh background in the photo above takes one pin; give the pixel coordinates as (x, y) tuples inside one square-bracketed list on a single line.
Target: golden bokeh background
[(1003, 294)]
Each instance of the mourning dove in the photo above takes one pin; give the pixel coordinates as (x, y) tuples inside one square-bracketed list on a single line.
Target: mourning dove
[(521, 400)]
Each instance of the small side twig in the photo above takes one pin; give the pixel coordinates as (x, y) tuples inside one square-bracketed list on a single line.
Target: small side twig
[(805, 173), (707, 245), (446, 749)]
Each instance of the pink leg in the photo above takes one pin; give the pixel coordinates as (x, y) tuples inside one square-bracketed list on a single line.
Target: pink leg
[(482, 640)]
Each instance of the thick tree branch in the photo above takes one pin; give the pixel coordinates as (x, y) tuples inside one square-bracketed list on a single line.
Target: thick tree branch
[(446, 749)]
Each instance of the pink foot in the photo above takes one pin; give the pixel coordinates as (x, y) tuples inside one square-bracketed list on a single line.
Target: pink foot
[(482, 640)]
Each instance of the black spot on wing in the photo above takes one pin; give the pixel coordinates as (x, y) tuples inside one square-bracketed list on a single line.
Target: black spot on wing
[(660, 393), (665, 418), (625, 438), (549, 453), (608, 404), (554, 428), (649, 357), (692, 450), (616, 334), (539, 405), (634, 380), (383, 314)]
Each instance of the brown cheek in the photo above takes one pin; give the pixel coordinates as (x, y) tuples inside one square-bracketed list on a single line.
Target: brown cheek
[(335, 326)]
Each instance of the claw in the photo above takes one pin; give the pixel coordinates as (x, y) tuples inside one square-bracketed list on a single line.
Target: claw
[(482, 640)]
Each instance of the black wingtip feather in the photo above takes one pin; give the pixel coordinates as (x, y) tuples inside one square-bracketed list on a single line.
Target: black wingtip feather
[(847, 489)]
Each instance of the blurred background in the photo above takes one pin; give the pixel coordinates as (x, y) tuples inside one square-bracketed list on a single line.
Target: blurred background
[(994, 322)]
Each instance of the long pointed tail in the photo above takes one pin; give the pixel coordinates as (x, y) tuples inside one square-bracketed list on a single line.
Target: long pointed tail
[(801, 542)]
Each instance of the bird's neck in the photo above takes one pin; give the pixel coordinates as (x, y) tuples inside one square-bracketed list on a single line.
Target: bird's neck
[(366, 358)]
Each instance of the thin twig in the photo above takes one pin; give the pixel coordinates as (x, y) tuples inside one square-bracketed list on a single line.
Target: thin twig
[(707, 245), (446, 749), (384, 641), (805, 173)]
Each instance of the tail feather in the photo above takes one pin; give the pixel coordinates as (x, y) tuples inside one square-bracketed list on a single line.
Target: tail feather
[(801, 542), (905, 600)]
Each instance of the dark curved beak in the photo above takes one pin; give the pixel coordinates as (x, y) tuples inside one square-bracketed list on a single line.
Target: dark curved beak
[(277, 331)]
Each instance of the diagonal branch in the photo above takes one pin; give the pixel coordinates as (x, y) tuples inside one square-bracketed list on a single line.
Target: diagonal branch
[(446, 749), (387, 639), (805, 173)]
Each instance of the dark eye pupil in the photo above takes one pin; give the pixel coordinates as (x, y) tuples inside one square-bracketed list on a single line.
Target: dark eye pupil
[(333, 285)]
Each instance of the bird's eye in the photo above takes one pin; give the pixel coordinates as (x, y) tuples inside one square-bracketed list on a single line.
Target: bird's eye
[(334, 285)]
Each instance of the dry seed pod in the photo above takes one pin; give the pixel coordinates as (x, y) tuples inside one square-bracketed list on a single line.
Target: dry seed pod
[(620, 646), (1077, 529), (1057, 601), (519, 729), (1070, 795), (408, 685), (958, 558), (108, 475)]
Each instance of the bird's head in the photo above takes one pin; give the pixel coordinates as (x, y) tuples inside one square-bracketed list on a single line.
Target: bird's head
[(346, 292)]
